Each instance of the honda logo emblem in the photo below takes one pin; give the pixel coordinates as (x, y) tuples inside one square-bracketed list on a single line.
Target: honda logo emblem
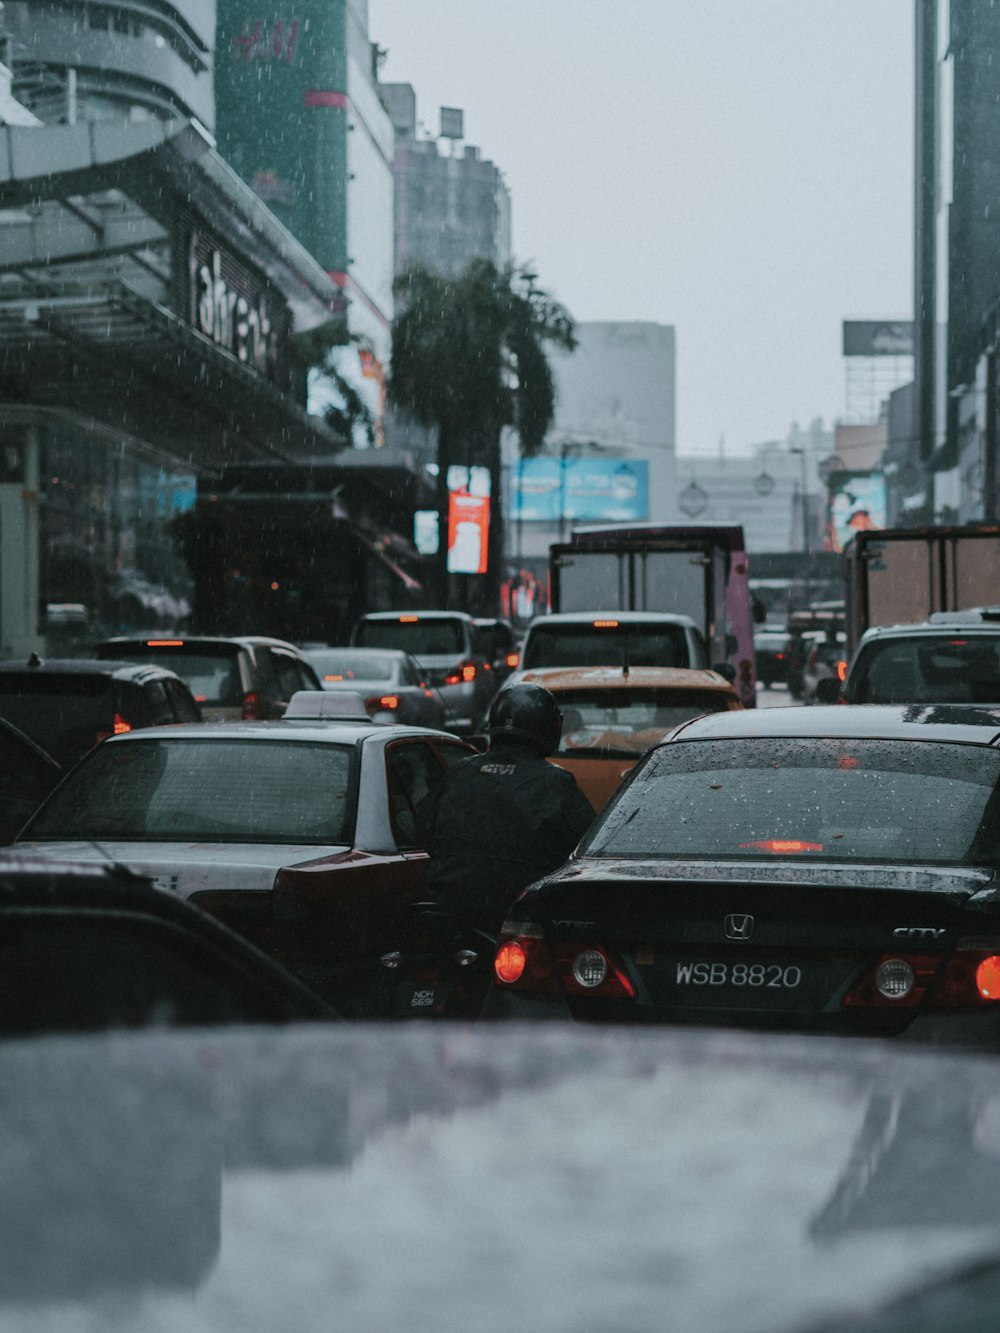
[(738, 926)]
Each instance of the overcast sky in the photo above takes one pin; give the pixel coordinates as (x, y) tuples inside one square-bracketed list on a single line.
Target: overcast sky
[(741, 169)]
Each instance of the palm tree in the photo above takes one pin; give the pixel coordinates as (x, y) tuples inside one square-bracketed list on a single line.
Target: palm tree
[(469, 358)]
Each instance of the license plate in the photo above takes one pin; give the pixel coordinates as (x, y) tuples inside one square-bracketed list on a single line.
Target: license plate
[(751, 976), (420, 1000), (745, 983)]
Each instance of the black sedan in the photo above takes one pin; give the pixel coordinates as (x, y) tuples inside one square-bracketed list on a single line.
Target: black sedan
[(834, 870)]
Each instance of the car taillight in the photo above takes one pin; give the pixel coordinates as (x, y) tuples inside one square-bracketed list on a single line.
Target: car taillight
[(513, 659), (524, 962), (252, 711), (120, 725), (897, 980), (466, 672), (841, 670), (780, 656), (382, 703), (971, 976), (969, 979)]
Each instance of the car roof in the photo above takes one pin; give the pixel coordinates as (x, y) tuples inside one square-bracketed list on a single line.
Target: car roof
[(611, 678), (625, 617), (966, 724), (334, 732), (937, 629), (83, 666)]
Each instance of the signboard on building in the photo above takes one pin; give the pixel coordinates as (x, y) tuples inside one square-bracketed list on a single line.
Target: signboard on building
[(580, 489), (857, 504), (468, 533), (873, 337), (235, 308)]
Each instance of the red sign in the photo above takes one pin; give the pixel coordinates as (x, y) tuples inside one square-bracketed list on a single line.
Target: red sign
[(468, 532)]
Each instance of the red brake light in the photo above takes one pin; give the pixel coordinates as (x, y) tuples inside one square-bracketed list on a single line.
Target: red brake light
[(466, 672), (333, 677), (527, 963), (251, 707), (121, 726), (988, 978), (971, 977), (606, 624), (510, 962), (389, 701), (513, 659), (780, 656), (164, 643), (781, 846), (841, 671), (408, 620)]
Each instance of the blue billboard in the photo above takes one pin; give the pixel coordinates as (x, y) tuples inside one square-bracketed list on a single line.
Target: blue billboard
[(579, 489)]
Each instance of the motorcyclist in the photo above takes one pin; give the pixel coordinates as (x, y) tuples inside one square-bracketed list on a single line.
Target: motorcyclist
[(500, 820)]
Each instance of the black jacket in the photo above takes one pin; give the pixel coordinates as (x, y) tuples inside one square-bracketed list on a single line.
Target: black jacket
[(496, 823)]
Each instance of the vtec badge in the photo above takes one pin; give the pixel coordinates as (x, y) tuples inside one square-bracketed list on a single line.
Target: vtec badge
[(738, 926)]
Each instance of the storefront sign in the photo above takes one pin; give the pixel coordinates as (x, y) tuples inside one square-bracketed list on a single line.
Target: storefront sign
[(232, 307)]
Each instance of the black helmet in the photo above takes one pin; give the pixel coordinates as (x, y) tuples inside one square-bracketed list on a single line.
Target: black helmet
[(528, 713)]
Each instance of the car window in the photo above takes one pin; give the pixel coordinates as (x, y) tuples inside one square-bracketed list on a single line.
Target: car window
[(410, 673), (63, 714), (184, 708), (338, 665), (413, 771), (837, 800), (925, 669), (597, 645), (158, 708), (286, 674), (267, 672), (209, 790), (423, 636), (628, 721), (450, 753), (210, 671)]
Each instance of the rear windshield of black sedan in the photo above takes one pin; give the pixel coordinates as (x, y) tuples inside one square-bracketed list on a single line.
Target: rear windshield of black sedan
[(837, 800), (206, 790), (588, 645)]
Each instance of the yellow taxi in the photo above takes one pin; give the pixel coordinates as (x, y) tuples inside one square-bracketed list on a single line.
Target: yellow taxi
[(611, 716)]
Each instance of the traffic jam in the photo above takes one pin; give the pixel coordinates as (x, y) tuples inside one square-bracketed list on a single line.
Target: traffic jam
[(600, 820)]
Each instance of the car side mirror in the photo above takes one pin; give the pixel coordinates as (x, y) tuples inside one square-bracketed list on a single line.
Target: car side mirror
[(828, 690), (725, 669)]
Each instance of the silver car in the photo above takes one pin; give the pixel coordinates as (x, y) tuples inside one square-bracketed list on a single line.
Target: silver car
[(390, 682)]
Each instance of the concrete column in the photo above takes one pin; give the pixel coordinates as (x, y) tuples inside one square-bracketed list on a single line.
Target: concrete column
[(20, 543)]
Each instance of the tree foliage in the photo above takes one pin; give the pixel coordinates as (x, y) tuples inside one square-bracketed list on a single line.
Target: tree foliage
[(469, 358), (468, 352)]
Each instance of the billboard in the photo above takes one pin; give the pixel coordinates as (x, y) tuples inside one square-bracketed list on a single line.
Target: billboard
[(857, 504), (580, 489), (468, 533), (874, 337)]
